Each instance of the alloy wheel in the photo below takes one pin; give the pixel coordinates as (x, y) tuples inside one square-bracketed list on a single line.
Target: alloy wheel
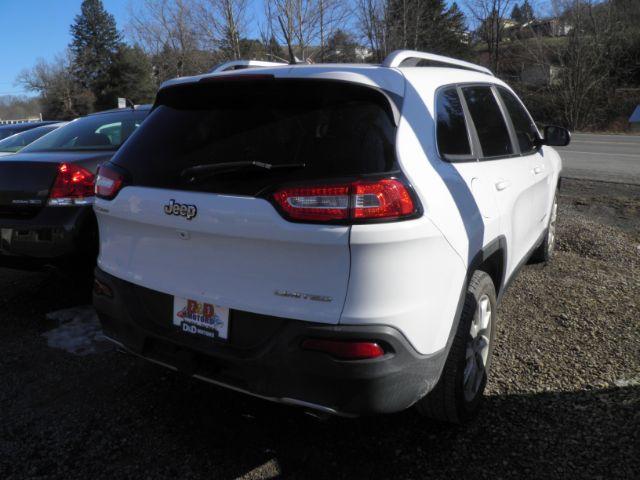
[(477, 351), (551, 235)]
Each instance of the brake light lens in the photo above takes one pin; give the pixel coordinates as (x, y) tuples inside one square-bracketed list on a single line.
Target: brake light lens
[(74, 185), (387, 198), (344, 350), (108, 183)]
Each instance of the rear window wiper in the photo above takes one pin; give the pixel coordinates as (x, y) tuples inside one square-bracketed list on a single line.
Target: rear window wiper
[(206, 170)]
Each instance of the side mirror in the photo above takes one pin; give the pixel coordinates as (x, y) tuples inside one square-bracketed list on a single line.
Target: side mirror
[(555, 136)]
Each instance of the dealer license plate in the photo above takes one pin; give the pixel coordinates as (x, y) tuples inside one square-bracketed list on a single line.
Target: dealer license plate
[(201, 318)]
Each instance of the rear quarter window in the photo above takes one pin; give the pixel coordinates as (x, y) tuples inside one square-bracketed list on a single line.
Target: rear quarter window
[(452, 133)]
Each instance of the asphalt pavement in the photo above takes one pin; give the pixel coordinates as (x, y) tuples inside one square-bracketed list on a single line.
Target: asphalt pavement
[(610, 158)]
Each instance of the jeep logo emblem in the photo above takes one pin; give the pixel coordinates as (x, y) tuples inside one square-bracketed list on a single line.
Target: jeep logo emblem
[(181, 209)]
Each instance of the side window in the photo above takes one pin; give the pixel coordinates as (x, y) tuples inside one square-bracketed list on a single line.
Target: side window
[(526, 130), (488, 120), (453, 138)]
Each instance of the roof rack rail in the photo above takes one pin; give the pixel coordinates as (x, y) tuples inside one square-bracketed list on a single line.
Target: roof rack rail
[(399, 57), (242, 64)]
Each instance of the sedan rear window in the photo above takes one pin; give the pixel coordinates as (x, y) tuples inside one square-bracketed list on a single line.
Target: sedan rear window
[(106, 131), (20, 140), (302, 129), (7, 132)]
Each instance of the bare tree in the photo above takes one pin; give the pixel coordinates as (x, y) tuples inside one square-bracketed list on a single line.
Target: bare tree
[(61, 96), (332, 14), (168, 30), (582, 64), (269, 35), (490, 20), (372, 25), (223, 23), (294, 21)]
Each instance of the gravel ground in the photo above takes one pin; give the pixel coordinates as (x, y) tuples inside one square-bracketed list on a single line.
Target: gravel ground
[(563, 398)]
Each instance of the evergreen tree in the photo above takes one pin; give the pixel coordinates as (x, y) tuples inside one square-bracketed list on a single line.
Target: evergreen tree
[(516, 13), (130, 76), (94, 47), (341, 48), (527, 12), (440, 29), (273, 50)]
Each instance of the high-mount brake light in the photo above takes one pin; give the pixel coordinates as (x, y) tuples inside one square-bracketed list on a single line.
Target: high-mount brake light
[(384, 199), (108, 182), (237, 77), (74, 185)]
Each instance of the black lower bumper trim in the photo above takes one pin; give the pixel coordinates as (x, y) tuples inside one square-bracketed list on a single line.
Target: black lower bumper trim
[(272, 366)]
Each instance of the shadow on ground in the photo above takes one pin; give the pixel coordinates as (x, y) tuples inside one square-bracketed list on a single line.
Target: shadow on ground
[(119, 417)]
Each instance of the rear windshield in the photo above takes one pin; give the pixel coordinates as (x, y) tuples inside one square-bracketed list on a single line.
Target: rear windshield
[(96, 132), (22, 139), (307, 129), (7, 132)]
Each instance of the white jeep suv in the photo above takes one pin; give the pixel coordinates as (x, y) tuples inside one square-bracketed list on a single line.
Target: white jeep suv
[(336, 237)]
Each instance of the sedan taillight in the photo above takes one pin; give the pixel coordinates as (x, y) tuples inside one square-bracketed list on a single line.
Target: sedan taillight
[(108, 182), (74, 185), (384, 199)]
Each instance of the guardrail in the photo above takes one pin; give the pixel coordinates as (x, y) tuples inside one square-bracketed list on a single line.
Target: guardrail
[(21, 120)]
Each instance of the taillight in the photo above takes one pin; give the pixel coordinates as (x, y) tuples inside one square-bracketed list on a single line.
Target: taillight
[(315, 203), (344, 349), (108, 183), (74, 185), (384, 199)]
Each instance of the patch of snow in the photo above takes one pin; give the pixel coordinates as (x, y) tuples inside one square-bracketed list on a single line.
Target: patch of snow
[(78, 331), (627, 382)]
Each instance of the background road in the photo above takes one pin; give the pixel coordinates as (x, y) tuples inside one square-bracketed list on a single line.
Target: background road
[(612, 158)]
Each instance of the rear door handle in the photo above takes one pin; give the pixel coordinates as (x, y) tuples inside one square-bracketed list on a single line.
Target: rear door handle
[(538, 170), (503, 184)]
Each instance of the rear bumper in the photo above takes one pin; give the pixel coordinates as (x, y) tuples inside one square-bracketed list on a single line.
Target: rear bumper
[(263, 355), (54, 234)]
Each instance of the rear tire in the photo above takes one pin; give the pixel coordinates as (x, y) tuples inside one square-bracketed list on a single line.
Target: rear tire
[(544, 252), (457, 396)]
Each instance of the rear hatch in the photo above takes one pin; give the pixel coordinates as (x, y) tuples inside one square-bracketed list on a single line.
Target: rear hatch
[(197, 219)]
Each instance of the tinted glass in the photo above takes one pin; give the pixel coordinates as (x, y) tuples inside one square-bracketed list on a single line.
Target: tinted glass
[(526, 130), (96, 132), (488, 120), (452, 128), (6, 132), (335, 129), (20, 140)]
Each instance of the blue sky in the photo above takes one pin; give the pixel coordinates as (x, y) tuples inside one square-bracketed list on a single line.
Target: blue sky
[(32, 29)]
